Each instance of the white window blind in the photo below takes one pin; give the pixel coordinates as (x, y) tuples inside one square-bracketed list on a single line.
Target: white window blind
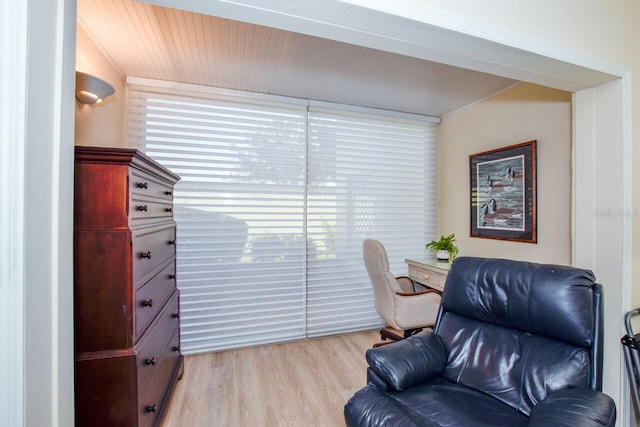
[(240, 212), (274, 202), (369, 177)]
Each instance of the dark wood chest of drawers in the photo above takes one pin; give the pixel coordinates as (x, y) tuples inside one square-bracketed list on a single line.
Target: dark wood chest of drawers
[(126, 307)]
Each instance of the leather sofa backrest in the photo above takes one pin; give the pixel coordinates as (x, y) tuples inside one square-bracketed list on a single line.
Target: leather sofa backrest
[(518, 330)]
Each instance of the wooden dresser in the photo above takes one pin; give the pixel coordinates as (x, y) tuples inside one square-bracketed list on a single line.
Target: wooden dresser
[(127, 328)]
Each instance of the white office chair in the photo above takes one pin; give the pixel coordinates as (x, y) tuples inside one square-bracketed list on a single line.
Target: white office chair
[(404, 310)]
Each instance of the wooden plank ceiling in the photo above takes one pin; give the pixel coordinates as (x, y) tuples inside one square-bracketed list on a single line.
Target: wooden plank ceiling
[(149, 41)]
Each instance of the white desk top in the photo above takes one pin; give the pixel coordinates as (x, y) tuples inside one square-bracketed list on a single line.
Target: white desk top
[(428, 262)]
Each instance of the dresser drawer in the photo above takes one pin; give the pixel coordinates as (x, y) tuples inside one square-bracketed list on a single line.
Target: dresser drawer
[(157, 361), (156, 352), (145, 209), (154, 400), (152, 247), (142, 184), (150, 298)]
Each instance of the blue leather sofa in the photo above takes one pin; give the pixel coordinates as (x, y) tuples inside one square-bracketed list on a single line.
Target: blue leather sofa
[(514, 344)]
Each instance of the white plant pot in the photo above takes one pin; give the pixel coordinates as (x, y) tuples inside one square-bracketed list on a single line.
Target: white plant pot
[(442, 255)]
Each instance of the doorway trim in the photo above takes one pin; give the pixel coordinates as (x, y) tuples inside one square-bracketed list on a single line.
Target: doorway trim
[(421, 31)]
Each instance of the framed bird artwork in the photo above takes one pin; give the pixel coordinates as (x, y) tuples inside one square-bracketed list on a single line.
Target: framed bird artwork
[(503, 193)]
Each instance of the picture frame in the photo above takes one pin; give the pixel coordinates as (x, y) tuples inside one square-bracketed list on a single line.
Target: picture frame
[(503, 193)]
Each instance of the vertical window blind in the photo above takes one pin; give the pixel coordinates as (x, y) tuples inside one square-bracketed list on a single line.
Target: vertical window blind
[(275, 199), (366, 179)]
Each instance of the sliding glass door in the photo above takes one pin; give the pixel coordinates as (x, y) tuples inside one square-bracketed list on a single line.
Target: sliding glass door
[(275, 199)]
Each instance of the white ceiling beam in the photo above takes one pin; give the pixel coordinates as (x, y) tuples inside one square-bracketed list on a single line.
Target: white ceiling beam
[(425, 34)]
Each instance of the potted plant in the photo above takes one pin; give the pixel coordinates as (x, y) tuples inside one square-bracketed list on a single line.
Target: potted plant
[(444, 248)]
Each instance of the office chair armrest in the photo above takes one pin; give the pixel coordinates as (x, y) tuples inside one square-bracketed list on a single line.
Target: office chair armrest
[(409, 362), (406, 283), (574, 407), (417, 310)]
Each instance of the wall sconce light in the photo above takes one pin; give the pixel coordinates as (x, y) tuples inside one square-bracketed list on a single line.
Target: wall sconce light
[(91, 90)]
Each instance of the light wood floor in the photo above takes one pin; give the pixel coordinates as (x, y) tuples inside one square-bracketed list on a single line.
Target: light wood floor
[(294, 384)]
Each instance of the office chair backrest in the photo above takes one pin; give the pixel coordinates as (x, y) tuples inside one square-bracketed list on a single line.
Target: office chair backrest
[(383, 281)]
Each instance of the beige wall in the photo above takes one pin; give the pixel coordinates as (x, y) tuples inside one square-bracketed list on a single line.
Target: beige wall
[(605, 30), (522, 113), (99, 124)]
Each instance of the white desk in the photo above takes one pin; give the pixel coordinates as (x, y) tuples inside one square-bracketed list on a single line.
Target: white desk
[(428, 272)]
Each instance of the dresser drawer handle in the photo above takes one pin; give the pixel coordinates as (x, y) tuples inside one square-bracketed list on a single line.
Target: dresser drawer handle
[(171, 242), (146, 255), (147, 303), (142, 208), (150, 362), (169, 193), (151, 408), (142, 185), (176, 348), (176, 315), (172, 276), (168, 209)]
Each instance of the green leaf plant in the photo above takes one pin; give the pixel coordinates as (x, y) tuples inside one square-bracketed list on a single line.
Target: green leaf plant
[(445, 243)]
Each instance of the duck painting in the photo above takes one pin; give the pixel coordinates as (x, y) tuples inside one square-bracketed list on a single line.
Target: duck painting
[(507, 212), (493, 218), (512, 175), (495, 185)]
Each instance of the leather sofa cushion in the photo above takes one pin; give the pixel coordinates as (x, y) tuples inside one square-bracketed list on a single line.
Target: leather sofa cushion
[(517, 368), (542, 299), (567, 408), (437, 403)]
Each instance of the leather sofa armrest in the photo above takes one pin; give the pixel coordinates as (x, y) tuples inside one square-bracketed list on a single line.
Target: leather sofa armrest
[(574, 407), (376, 380), (408, 362)]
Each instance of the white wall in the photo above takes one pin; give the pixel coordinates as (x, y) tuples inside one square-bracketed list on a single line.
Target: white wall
[(520, 114), (101, 124)]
